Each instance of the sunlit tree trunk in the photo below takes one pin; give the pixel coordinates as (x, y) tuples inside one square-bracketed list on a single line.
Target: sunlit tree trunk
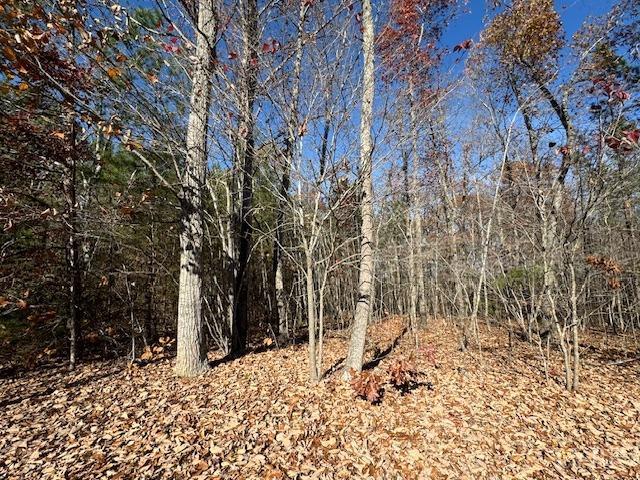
[(311, 317), (355, 353), (191, 356), (418, 253)]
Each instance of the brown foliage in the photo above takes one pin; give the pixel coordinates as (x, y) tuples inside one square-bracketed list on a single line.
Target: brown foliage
[(609, 267), (258, 417), (367, 385), (528, 33), (402, 373)]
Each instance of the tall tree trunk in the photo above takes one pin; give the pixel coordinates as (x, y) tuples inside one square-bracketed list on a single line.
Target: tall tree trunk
[(416, 219), (149, 330), (451, 212), (418, 257), (413, 284), (355, 354), (413, 287), (575, 324), (73, 251), (247, 156), (292, 139), (192, 355), (311, 317)]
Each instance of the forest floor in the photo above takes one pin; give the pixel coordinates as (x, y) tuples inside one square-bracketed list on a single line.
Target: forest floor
[(484, 414)]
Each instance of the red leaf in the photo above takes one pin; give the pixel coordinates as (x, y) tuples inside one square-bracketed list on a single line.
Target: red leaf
[(466, 45), (270, 46), (633, 135)]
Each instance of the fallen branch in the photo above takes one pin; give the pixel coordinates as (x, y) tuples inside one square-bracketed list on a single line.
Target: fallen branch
[(622, 362)]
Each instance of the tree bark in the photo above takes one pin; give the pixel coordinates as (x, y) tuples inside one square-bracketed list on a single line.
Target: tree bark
[(409, 225), (415, 225), (247, 158), (355, 353), (292, 138), (73, 251), (311, 318), (192, 356), (149, 330), (575, 324)]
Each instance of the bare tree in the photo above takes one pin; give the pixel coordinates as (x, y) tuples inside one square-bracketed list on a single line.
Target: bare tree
[(192, 354), (355, 354)]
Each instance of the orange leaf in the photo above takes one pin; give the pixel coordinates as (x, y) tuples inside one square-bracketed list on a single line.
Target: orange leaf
[(10, 53), (113, 72), (147, 355)]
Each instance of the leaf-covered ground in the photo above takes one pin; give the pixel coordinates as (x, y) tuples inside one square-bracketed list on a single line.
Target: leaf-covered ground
[(488, 414)]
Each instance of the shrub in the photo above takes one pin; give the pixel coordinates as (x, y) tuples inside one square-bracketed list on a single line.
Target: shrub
[(403, 374), (367, 385)]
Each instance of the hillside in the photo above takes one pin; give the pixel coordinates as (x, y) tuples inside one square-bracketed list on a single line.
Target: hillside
[(482, 414)]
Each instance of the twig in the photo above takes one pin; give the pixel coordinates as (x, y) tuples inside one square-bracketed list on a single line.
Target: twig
[(622, 362)]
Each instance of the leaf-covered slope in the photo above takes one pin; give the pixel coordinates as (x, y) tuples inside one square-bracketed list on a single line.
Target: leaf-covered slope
[(488, 415)]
